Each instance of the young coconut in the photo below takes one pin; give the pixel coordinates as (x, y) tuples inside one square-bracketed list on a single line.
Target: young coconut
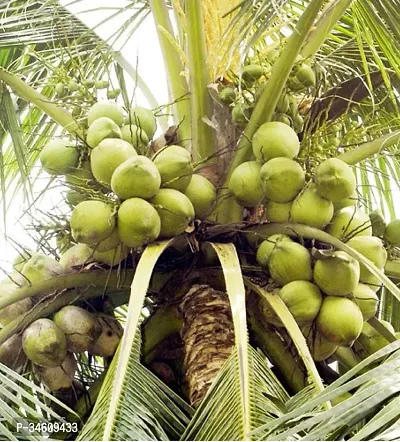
[(349, 222), (79, 326), (44, 343), (392, 232), (106, 109), (56, 378), (134, 135), (21, 259), (372, 281), (136, 177), (175, 210), (282, 179), (107, 343), (13, 311), (311, 209), (100, 129), (275, 139), (41, 267), (289, 261), (306, 76), (111, 242), (202, 195), (175, 167), (335, 179), (11, 353), (138, 223), (143, 118), (366, 299), (245, 184), (320, 348), (252, 72), (277, 212), (227, 95), (92, 221), (107, 156), (347, 202), (371, 340), (339, 321), (58, 157), (76, 257), (338, 274), (112, 257), (265, 248)]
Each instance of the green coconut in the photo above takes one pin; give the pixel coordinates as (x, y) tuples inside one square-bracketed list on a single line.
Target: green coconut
[(60, 89), (282, 179), (44, 343), (347, 202), (114, 93), (76, 257), (11, 353), (101, 84), (335, 179), (79, 326), (112, 257), (338, 274), (265, 248), (277, 212), (175, 167), (288, 262), (320, 348), (306, 76), (111, 242), (372, 248), (298, 123), (57, 378), (202, 195), (371, 340), (378, 223), (101, 129), (138, 222), (107, 343), (275, 139), (89, 83), (373, 282), (283, 118), (227, 95), (241, 114), (175, 210), (143, 118), (311, 209), (92, 221), (339, 321), (134, 135), (21, 259), (283, 105), (59, 157), (366, 299), (392, 232), (136, 177), (252, 72), (41, 267), (349, 222), (303, 299), (106, 109), (245, 184), (13, 311), (107, 156)]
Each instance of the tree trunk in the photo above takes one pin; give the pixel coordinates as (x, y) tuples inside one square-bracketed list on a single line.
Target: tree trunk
[(208, 337)]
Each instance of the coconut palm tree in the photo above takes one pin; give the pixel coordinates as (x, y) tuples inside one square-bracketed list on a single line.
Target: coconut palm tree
[(210, 350)]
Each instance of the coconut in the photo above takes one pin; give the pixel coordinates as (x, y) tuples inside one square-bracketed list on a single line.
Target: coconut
[(112, 257), (265, 248), (113, 93), (349, 222), (227, 95), (58, 157), (11, 353), (339, 320), (138, 222), (366, 300), (111, 242), (245, 184), (44, 343), (338, 274), (56, 378), (101, 84), (134, 135), (175, 167), (378, 223), (76, 257), (347, 202), (283, 105), (101, 129), (143, 118), (275, 139), (392, 232), (320, 348), (288, 262), (277, 212), (21, 259), (106, 109), (372, 248), (335, 179), (79, 326), (92, 221), (136, 177), (175, 210), (107, 156), (282, 179), (252, 72), (371, 340), (41, 267), (373, 282), (202, 195), (111, 332), (303, 299), (241, 114), (311, 209), (13, 311), (306, 76)]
